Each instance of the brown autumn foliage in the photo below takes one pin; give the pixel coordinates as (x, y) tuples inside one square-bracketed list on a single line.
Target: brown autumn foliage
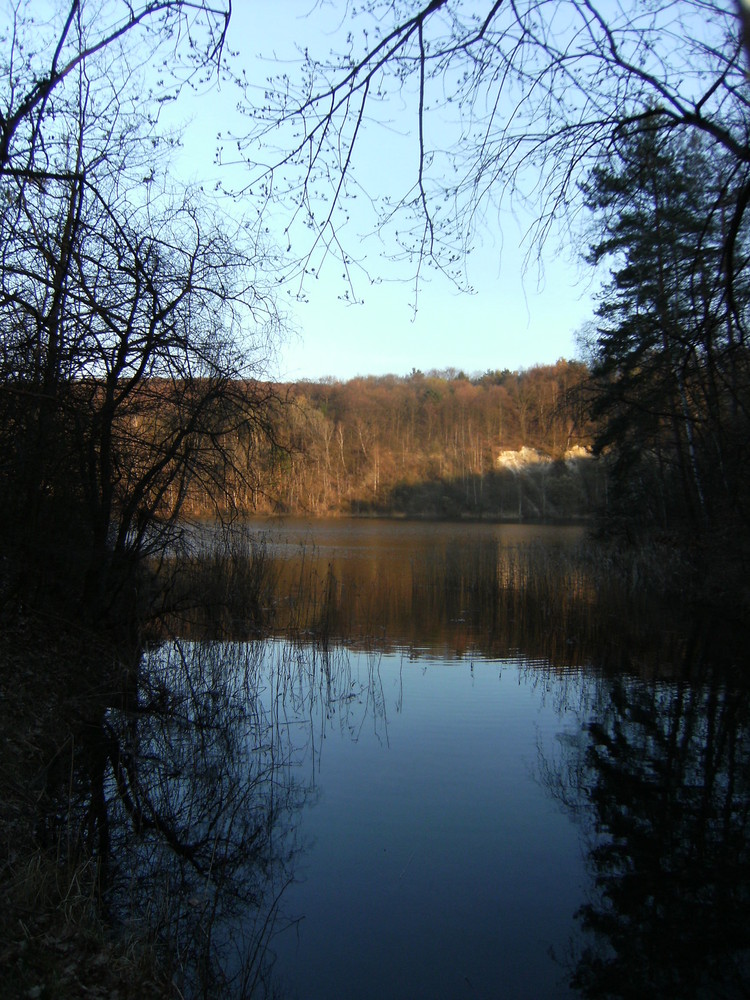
[(421, 445)]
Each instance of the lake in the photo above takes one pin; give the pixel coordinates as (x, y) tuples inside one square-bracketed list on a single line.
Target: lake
[(438, 780), (438, 865)]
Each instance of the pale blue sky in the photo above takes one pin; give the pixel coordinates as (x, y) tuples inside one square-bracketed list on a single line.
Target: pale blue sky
[(515, 319)]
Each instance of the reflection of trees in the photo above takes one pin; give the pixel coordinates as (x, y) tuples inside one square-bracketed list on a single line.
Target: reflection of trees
[(475, 595), (662, 780), (203, 780), (185, 794), (187, 799)]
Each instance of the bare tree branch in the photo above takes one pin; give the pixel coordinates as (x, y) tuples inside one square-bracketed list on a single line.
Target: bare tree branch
[(92, 40), (529, 95)]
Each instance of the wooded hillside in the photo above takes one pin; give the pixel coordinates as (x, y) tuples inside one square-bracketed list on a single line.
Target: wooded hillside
[(426, 444)]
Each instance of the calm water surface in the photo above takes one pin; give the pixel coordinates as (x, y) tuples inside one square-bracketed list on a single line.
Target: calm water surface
[(488, 825), (418, 586), (433, 784), (439, 865)]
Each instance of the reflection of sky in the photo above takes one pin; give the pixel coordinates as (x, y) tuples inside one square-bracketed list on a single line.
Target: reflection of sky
[(439, 866), (512, 321)]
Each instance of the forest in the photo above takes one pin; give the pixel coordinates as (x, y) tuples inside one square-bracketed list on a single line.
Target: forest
[(425, 445)]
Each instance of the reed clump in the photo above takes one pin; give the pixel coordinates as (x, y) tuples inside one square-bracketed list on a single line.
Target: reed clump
[(219, 583), (567, 603), (589, 602)]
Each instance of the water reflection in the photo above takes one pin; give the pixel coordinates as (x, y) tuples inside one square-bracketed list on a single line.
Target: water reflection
[(455, 590), (201, 775), (430, 589), (355, 800), (186, 790), (658, 777)]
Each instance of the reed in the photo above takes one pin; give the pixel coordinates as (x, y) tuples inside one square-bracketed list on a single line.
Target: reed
[(217, 583), (586, 603)]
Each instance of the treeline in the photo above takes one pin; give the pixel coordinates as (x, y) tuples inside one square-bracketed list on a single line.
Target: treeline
[(424, 444)]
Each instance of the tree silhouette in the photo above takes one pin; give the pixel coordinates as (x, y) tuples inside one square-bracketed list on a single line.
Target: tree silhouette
[(670, 360), (134, 323)]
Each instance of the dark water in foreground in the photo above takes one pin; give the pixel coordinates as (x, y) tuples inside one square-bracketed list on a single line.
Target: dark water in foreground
[(439, 863), (416, 793)]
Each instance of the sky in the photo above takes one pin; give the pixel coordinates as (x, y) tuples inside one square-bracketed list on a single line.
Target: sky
[(515, 318)]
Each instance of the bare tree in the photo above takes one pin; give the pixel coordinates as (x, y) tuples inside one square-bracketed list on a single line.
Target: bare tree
[(134, 320), (46, 54), (511, 102)]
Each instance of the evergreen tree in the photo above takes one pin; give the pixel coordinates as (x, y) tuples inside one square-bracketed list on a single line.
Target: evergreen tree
[(670, 363)]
